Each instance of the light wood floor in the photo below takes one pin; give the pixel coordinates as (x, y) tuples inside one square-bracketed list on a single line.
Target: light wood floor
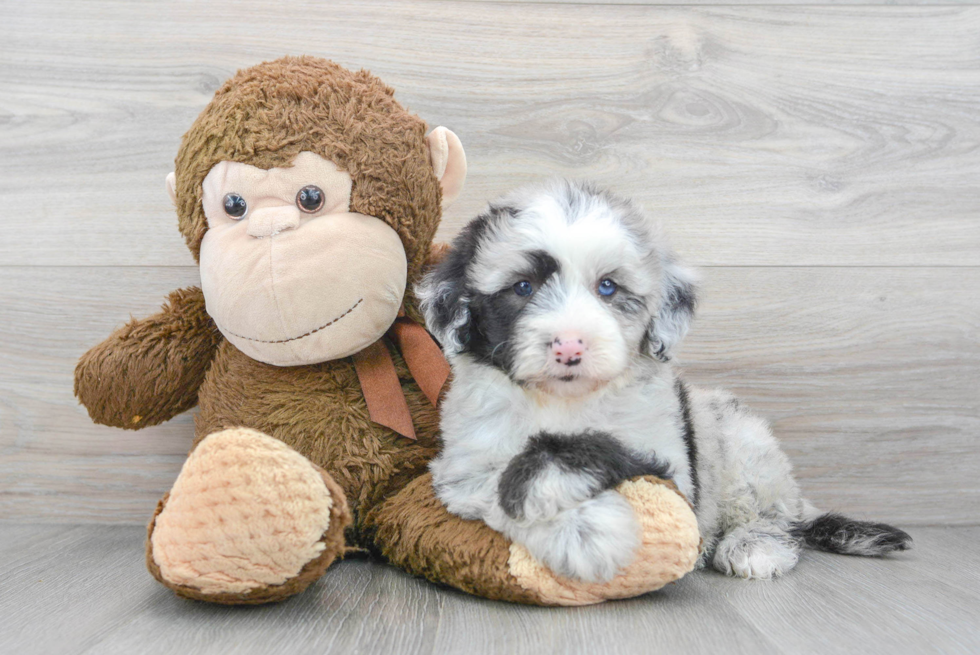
[(820, 163), (83, 589)]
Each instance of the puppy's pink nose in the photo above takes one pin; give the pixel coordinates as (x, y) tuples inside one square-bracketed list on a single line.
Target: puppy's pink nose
[(568, 348)]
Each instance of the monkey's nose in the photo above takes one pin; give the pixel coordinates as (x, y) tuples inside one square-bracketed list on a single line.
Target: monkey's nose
[(270, 221), (568, 348)]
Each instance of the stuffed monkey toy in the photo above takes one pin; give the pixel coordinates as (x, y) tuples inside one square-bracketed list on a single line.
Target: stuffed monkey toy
[(310, 198)]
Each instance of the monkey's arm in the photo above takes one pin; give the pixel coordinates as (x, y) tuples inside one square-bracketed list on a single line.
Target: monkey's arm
[(149, 370)]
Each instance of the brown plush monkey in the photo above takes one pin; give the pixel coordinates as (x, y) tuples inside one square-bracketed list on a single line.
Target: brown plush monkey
[(310, 199)]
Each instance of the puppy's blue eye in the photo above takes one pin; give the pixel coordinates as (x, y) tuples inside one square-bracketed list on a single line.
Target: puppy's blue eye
[(607, 287), (523, 288)]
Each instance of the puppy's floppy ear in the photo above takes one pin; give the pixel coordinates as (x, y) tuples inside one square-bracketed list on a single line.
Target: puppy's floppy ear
[(678, 300), (443, 293)]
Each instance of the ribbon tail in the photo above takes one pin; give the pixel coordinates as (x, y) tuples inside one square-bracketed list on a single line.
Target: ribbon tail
[(423, 357), (382, 391)]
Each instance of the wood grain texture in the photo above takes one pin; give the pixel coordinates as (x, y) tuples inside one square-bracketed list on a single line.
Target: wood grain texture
[(763, 135), (870, 376), (861, 372), (84, 590)]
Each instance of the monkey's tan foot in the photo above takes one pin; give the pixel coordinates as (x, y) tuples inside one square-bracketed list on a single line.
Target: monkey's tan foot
[(249, 520), (415, 531), (669, 549)]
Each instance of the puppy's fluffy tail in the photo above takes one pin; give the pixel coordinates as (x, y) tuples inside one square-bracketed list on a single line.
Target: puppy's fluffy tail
[(835, 533)]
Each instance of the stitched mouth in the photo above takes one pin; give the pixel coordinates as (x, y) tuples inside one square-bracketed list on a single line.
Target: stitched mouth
[(313, 331)]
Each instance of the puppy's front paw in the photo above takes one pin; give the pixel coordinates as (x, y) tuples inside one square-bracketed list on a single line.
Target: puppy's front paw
[(544, 496), (668, 550), (591, 542)]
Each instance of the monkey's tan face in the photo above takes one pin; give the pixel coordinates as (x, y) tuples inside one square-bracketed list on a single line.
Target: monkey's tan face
[(290, 275)]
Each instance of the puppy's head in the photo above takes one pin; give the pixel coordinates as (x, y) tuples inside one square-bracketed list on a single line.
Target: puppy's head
[(561, 287)]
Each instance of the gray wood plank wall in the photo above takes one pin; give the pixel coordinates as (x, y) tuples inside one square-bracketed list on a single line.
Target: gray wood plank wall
[(821, 164)]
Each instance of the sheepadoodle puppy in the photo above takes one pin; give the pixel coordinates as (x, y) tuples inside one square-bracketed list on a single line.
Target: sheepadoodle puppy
[(558, 309)]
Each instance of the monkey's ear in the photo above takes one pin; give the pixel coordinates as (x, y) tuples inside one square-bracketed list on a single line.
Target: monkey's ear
[(448, 162), (172, 186), (678, 300)]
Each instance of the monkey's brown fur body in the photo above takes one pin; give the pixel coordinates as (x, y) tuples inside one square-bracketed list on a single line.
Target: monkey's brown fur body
[(374, 492)]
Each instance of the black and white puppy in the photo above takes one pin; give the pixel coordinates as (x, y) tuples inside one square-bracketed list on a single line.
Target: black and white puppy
[(558, 309)]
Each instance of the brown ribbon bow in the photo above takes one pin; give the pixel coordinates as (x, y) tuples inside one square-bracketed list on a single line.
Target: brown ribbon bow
[(379, 381)]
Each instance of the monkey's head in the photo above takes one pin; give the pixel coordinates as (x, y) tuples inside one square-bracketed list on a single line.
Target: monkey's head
[(310, 198)]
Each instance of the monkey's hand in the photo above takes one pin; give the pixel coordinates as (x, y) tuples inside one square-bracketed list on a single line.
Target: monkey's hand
[(149, 370)]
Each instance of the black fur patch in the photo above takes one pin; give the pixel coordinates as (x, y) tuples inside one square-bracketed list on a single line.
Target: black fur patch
[(492, 320), (835, 533), (449, 277), (594, 454), (692, 448), (492, 316), (542, 266)]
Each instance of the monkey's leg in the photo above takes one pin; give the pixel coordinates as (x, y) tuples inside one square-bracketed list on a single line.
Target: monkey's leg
[(413, 530), (249, 520)]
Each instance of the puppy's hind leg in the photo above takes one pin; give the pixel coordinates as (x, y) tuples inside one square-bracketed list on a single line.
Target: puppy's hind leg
[(764, 549), (761, 549), (759, 500)]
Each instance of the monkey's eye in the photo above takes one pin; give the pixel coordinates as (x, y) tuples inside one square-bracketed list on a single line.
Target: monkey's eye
[(309, 199), (235, 206), (607, 287), (523, 288)]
